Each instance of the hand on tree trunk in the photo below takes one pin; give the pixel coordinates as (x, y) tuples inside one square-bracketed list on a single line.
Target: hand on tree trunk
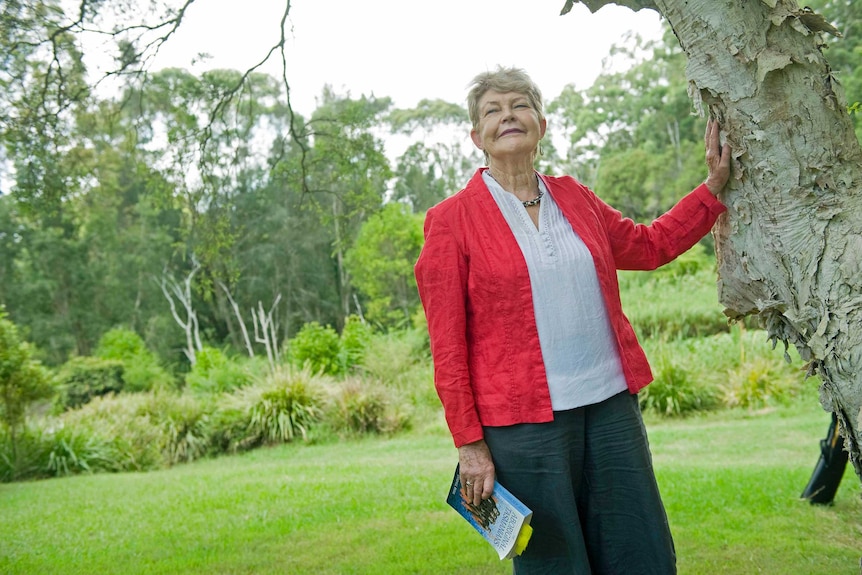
[(717, 158)]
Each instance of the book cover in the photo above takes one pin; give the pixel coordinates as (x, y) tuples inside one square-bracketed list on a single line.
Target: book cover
[(501, 519)]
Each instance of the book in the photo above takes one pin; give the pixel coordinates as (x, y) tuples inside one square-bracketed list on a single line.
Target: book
[(502, 519)]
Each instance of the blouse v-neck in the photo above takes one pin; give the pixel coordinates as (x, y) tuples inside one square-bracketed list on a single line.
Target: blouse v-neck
[(525, 231)]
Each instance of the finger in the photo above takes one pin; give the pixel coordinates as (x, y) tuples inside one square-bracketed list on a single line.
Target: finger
[(487, 487), (472, 494), (725, 155), (475, 492), (714, 136), (467, 488)]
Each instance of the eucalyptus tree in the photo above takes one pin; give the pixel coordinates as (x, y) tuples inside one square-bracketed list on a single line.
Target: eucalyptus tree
[(345, 178), (212, 151), (40, 91), (790, 245), (285, 249), (441, 158)]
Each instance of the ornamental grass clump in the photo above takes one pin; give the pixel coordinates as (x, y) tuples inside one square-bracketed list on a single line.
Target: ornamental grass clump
[(183, 421), (362, 407), (760, 383), (284, 406), (72, 451), (676, 391), (21, 454)]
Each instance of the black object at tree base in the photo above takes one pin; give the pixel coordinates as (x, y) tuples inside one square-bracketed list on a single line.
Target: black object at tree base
[(830, 467)]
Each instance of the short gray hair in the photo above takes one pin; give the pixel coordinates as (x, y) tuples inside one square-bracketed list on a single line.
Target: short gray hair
[(503, 80)]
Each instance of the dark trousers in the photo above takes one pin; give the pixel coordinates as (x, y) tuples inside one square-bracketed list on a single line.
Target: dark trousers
[(589, 480)]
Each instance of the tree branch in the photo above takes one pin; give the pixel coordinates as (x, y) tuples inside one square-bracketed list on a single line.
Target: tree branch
[(595, 5)]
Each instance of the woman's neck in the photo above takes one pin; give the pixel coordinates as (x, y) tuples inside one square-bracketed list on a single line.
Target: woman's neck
[(519, 181)]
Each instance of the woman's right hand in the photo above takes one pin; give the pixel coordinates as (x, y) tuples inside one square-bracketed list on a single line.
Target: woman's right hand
[(477, 471)]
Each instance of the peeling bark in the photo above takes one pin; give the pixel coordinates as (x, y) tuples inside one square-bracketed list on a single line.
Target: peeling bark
[(790, 245)]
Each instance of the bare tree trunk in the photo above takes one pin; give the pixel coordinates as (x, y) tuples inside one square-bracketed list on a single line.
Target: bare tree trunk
[(343, 282), (266, 331), (183, 294), (790, 244), (239, 319)]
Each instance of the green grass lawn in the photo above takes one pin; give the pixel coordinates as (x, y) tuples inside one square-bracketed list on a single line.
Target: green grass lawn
[(730, 480)]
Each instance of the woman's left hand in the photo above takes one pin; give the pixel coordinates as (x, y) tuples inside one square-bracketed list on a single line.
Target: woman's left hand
[(477, 471), (717, 158)]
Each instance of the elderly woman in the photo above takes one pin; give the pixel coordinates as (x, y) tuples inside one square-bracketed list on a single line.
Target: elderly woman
[(536, 366)]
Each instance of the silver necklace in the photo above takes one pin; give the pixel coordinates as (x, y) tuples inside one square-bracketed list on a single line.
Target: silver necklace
[(535, 201)]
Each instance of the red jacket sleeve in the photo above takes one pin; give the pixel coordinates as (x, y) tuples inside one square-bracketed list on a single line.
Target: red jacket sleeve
[(441, 276), (646, 247)]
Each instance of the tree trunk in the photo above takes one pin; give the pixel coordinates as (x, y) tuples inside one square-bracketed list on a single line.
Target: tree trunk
[(790, 245)]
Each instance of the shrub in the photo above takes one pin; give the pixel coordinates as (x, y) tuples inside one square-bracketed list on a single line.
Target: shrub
[(142, 371), (228, 424), (317, 348), (400, 361), (120, 343), (214, 372), (22, 379), (361, 407), (83, 378), (126, 419), (355, 338)]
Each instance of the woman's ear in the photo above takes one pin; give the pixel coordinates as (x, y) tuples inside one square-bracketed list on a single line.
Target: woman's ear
[(477, 139), (543, 126)]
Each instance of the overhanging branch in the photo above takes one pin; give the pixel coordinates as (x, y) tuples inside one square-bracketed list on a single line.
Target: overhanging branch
[(595, 5)]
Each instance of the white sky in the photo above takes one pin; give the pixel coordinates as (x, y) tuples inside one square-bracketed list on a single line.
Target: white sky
[(406, 49)]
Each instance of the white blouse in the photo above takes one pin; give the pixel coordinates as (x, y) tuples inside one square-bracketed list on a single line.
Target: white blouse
[(578, 348)]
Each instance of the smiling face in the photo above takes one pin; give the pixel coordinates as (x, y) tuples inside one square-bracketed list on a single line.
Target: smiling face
[(509, 128)]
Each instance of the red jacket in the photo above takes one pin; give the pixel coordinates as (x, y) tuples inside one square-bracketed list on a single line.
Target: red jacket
[(475, 289)]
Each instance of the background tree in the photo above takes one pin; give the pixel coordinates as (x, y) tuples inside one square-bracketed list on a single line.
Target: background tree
[(381, 264), (22, 379), (348, 174), (441, 159)]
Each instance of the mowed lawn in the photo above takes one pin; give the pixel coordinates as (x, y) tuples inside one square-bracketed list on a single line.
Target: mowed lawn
[(731, 482)]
